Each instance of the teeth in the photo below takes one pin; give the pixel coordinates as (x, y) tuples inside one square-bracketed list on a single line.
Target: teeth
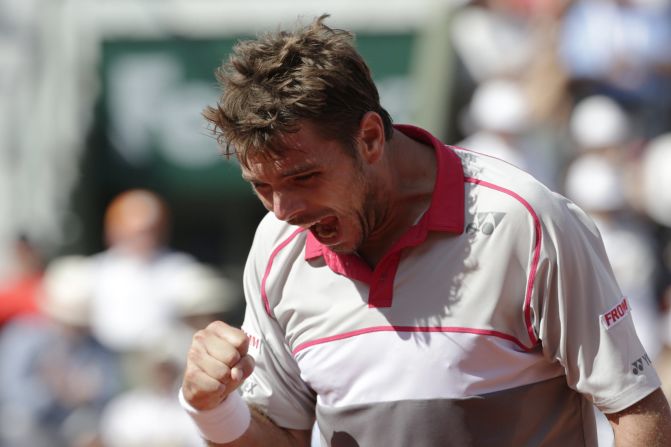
[(325, 232), (326, 228)]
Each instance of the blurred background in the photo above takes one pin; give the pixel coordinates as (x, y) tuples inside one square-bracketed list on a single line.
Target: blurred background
[(120, 215)]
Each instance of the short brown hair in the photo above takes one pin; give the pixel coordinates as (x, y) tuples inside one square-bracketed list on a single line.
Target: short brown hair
[(272, 82)]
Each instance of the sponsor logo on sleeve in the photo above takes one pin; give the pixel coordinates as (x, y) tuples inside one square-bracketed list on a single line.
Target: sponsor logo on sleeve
[(615, 315), (639, 365), (254, 341)]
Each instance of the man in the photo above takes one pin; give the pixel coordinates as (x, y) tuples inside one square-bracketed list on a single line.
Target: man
[(134, 297), (403, 292)]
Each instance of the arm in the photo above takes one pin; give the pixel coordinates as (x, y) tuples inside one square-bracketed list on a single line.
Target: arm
[(263, 432), (217, 364), (647, 423)]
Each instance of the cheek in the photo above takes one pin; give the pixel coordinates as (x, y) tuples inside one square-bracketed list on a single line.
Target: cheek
[(356, 194), (345, 200), (352, 205)]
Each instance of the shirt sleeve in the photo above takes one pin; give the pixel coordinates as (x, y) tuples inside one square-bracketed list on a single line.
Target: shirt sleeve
[(582, 319), (275, 386)]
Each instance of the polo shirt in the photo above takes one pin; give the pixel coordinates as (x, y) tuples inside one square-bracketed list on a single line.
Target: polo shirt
[(494, 320)]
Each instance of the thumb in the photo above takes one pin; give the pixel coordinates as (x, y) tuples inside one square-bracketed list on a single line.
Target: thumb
[(242, 369)]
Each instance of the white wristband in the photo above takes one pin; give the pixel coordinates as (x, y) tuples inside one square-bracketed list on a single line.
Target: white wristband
[(223, 423)]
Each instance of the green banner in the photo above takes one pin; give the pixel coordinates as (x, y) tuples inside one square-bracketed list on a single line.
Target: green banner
[(149, 129)]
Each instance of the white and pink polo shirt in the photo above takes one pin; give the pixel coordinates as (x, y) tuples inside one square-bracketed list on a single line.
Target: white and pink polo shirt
[(495, 320)]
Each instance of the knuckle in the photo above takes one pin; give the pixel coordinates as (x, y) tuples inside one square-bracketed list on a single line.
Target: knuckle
[(238, 338), (194, 356), (199, 337), (191, 378), (197, 383), (231, 357), (216, 326), (222, 373)]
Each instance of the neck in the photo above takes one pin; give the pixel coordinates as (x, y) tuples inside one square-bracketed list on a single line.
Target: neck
[(406, 185)]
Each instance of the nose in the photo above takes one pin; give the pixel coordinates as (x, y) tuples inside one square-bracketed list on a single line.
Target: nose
[(287, 206)]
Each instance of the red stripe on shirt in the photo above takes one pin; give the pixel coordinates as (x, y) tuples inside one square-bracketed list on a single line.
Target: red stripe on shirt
[(536, 254), (284, 243), (368, 330)]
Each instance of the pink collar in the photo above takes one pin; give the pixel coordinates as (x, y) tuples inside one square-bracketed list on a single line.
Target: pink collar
[(446, 212)]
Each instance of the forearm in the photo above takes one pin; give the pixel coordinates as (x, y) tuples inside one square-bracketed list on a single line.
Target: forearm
[(645, 424), (263, 432)]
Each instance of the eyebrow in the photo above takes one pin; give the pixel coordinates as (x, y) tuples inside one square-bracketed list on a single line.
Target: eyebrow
[(296, 170), (300, 169)]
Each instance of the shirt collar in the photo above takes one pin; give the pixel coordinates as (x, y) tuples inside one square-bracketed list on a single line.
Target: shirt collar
[(446, 212)]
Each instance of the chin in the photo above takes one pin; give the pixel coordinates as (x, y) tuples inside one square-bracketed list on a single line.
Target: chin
[(346, 247), (343, 249)]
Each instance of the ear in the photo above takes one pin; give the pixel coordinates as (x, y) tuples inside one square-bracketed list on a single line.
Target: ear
[(371, 138)]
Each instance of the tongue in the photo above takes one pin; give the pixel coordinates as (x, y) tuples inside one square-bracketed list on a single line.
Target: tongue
[(326, 227)]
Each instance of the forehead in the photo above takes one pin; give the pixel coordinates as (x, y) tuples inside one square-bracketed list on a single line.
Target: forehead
[(295, 152)]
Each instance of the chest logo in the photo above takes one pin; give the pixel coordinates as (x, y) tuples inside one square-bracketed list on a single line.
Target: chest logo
[(615, 315), (484, 223)]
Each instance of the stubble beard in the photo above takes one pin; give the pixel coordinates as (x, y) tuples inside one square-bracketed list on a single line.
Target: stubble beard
[(364, 216)]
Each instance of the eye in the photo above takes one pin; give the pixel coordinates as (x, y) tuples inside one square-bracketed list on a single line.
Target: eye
[(260, 187), (305, 177)]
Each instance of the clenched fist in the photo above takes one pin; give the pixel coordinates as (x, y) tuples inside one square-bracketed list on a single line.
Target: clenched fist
[(217, 364)]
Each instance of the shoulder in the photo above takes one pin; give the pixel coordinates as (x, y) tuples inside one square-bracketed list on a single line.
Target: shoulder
[(491, 179)]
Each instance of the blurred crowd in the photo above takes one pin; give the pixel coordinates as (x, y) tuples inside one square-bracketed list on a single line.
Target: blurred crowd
[(92, 348), (577, 92)]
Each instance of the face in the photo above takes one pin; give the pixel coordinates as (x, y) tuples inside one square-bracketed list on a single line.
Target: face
[(315, 184)]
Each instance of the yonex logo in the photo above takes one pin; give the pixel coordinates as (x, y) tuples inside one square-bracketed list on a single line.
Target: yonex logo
[(640, 363), (485, 222)]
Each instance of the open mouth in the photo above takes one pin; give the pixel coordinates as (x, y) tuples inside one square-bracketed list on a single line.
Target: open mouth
[(326, 230)]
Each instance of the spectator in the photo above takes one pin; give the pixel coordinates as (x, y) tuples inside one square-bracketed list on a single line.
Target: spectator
[(599, 124), (134, 303), (203, 296), (18, 292), (621, 49), (149, 414), (656, 198), (500, 119), (55, 377)]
